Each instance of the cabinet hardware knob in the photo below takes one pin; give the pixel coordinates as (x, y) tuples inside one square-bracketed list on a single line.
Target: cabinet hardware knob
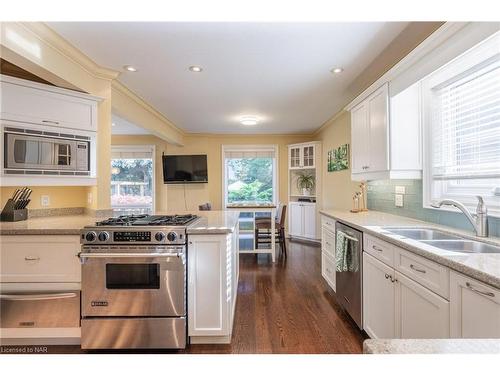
[(489, 294), (387, 276), (377, 248), (417, 269)]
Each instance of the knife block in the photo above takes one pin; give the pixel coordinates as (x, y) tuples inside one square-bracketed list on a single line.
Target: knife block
[(11, 214)]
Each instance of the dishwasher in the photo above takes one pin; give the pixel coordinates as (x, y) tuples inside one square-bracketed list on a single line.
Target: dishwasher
[(349, 283)]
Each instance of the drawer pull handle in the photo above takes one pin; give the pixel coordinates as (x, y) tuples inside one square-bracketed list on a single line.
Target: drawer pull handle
[(51, 122), (35, 297), (417, 269), (489, 294), (328, 243), (30, 258), (377, 248)]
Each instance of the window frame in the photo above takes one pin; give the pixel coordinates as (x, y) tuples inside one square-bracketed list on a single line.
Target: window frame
[(467, 63), (139, 148), (264, 147)]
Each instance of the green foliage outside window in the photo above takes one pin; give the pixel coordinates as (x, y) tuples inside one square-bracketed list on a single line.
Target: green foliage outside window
[(250, 180)]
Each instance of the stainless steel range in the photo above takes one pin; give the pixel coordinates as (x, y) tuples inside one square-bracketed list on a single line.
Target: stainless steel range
[(134, 282)]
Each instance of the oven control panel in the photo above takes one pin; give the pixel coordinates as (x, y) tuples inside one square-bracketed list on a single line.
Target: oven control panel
[(132, 236), (109, 236)]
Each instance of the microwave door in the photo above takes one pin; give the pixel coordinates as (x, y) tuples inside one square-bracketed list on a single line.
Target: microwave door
[(47, 155)]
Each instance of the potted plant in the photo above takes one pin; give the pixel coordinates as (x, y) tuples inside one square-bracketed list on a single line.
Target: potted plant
[(305, 182)]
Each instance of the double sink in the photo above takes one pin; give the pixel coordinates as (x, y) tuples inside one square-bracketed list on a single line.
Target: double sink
[(443, 240)]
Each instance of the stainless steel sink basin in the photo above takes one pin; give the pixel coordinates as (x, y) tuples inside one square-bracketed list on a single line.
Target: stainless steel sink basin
[(464, 246), (422, 234)]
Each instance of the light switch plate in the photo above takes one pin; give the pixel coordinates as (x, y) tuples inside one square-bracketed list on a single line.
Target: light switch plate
[(45, 200), (89, 198), (398, 200), (400, 190)]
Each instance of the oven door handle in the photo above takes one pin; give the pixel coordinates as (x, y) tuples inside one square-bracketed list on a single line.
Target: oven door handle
[(35, 297), (128, 255)]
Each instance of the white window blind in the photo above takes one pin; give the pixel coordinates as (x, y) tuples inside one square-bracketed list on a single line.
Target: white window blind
[(466, 126)]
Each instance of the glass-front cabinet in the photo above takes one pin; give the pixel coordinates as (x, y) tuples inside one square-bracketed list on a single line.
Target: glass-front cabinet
[(301, 156)]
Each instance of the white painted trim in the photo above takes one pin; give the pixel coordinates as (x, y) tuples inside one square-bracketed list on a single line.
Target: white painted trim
[(145, 148)]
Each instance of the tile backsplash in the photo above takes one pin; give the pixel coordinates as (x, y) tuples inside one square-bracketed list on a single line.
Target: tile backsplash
[(381, 198)]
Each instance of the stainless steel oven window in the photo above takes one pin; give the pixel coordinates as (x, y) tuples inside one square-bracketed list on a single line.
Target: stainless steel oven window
[(132, 276)]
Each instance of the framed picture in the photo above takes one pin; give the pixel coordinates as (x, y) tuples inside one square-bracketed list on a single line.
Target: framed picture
[(338, 159)]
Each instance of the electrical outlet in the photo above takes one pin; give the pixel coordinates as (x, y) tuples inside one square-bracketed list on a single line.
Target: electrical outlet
[(398, 200), (89, 198), (45, 200), (400, 190)]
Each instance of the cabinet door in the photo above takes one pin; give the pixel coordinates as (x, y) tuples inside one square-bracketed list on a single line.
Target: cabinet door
[(359, 138), (378, 299), (295, 157), (420, 313), (378, 124), (209, 269), (328, 270), (308, 156), (475, 308), (309, 219), (295, 219)]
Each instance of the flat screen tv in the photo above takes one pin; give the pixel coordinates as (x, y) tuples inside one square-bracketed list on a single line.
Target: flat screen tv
[(182, 169)]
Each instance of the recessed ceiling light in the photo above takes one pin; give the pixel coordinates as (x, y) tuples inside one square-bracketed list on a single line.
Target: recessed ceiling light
[(195, 69), (113, 124), (337, 70), (130, 68), (249, 120)]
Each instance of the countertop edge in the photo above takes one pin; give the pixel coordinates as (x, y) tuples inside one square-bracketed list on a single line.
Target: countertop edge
[(431, 346), (450, 263)]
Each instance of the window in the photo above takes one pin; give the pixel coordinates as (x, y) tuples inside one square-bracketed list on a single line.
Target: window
[(462, 126), (249, 174), (132, 178)]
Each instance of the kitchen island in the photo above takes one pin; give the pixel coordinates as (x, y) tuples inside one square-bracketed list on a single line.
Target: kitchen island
[(41, 256)]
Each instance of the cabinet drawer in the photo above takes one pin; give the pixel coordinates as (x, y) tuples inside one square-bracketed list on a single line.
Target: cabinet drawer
[(328, 222), (40, 259), (328, 241), (426, 272), (328, 269), (381, 250)]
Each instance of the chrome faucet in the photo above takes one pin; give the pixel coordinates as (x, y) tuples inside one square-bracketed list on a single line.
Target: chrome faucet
[(479, 220)]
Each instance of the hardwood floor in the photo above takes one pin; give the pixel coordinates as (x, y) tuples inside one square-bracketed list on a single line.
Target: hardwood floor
[(282, 308)]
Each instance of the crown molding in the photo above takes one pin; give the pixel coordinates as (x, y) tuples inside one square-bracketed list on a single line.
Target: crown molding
[(48, 36)]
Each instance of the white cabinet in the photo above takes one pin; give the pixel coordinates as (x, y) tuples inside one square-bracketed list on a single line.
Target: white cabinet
[(420, 313), (302, 156), (386, 144), (212, 286), (328, 254), (302, 220), (379, 302), (475, 308), (35, 103)]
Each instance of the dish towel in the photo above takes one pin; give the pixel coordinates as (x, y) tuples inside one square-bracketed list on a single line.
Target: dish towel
[(346, 256)]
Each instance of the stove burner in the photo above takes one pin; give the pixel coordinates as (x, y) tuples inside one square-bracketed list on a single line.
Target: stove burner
[(143, 220)]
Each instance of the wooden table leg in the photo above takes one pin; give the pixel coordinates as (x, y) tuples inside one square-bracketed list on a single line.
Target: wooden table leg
[(273, 235)]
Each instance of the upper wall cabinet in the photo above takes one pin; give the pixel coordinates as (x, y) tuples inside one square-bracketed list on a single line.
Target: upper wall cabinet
[(35, 103), (302, 156), (386, 135)]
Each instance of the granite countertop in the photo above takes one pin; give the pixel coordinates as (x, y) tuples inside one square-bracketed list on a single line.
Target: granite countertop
[(432, 346), (210, 222), (484, 267)]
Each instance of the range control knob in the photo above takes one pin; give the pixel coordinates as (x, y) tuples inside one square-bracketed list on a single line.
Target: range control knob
[(159, 236), (103, 236), (171, 236), (90, 237)]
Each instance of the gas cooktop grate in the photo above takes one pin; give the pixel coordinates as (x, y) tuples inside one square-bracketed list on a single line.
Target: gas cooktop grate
[(145, 220)]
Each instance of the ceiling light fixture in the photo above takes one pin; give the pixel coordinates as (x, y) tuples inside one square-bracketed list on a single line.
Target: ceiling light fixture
[(195, 69), (337, 70), (130, 68), (113, 124), (249, 120)]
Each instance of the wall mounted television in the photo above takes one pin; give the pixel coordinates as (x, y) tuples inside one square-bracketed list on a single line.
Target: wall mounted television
[(185, 169)]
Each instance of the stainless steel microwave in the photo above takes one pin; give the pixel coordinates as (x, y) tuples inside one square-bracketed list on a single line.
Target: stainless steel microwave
[(29, 151)]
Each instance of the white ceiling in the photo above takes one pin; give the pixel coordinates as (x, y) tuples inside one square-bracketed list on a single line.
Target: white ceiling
[(124, 127), (279, 72)]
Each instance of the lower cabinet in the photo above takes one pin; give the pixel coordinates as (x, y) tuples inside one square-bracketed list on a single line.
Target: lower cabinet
[(379, 299), (475, 308), (420, 313), (212, 287), (302, 220)]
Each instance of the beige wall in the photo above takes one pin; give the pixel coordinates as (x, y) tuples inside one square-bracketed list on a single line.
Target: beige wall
[(60, 196), (337, 187), (171, 197)]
